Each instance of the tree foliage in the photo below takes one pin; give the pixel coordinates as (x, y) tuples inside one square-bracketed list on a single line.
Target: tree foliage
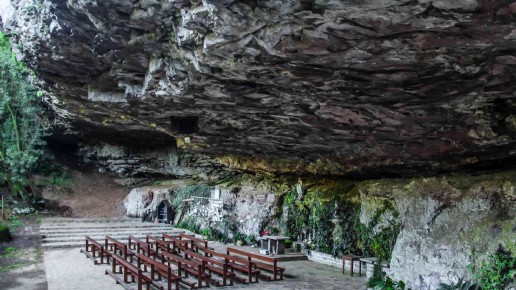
[(21, 129)]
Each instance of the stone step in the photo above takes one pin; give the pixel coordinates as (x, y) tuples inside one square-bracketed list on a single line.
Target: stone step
[(69, 233), (106, 230), (90, 220), (100, 236), (100, 226), (91, 227)]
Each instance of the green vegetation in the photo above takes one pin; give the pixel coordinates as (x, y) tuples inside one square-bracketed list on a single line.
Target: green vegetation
[(11, 252), (13, 222), (388, 284), (331, 217), (460, 285), (14, 266), (189, 224), (498, 271), (21, 129), (495, 273), (60, 179), (200, 190)]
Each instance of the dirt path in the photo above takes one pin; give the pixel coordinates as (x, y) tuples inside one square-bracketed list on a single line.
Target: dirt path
[(89, 194), (21, 260)]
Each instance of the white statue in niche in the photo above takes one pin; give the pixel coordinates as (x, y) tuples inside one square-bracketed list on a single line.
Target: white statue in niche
[(216, 193)]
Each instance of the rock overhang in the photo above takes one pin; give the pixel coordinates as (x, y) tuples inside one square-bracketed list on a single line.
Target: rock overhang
[(317, 87)]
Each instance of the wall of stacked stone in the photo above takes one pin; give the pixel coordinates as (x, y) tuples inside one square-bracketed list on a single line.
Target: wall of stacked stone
[(327, 259)]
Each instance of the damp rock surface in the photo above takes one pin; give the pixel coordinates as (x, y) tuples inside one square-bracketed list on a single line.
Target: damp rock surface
[(331, 87)]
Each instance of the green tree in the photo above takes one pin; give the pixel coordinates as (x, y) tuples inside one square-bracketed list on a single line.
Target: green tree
[(21, 129)]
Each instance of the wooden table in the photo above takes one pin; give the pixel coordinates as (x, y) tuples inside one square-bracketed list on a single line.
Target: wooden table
[(274, 244), (352, 258)]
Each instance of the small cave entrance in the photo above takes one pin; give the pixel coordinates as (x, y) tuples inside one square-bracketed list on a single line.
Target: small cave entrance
[(184, 125), (64, 149), (165, 212)]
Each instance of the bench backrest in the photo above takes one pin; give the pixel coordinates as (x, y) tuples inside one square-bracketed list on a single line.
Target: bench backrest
[(197, 240), (174, 238), (114, 241), (251, 255), (93, 242), (153, 239), (124, 263), (205, 259), (228, 257), (177, 242), (157, 265), (181, 260)]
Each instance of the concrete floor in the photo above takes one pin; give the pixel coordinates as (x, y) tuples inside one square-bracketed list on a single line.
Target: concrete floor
[(71, 270)]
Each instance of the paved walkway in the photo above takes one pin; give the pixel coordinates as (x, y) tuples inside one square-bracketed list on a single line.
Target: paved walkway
[(69, 269)]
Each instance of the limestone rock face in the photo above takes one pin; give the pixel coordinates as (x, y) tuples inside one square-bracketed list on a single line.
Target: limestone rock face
[(131, 161), (445, 223), (333, 87), (143, 202)]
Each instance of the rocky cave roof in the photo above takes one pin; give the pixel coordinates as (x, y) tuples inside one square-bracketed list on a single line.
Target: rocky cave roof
[(322, 86)]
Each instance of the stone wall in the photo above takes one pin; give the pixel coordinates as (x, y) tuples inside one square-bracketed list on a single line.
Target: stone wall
[(443, 221), (327, 259), (246, 209), (143, 202)]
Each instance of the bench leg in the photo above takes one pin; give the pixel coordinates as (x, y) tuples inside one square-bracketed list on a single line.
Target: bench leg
[(351, 268)]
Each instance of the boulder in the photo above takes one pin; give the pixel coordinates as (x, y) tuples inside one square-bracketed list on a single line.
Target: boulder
[(143, 202)]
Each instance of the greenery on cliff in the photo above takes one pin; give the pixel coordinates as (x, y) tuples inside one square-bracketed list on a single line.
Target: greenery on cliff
[(21, 129)]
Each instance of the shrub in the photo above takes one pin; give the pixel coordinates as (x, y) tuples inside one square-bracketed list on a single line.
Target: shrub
[(21, 128), (498, 271), (460, 285), (5, 234)]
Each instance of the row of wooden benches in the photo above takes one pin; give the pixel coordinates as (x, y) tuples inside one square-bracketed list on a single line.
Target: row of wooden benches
[(190, 255)]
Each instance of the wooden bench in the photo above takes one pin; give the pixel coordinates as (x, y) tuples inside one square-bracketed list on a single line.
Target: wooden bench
[(96, 250), (129, 270), (141, 247), (237, 263), (188, 267), (213, 265), (167, 246), (161, 269), (264, 263), (196, 242), (178, 244), (119, 248)]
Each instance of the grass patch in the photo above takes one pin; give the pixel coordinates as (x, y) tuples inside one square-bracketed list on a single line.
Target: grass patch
[(13, 222), (9, 252), (13, 266), (12, 252)]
